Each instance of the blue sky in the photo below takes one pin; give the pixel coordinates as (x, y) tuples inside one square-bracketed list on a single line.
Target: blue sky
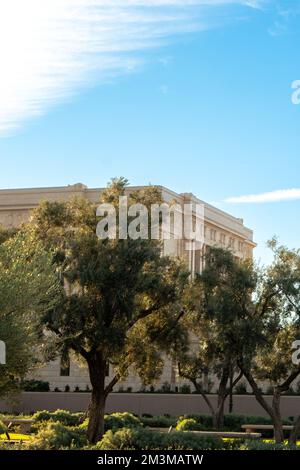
[(193, 95)]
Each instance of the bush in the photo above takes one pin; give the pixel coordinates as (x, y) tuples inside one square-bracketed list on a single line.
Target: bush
[(158, 422), (185, 424), (56, 436), (166, 388), (3, 428), (143, 439), (4, 445), (232, 422), (121, 420), (241, 389), (60, 416), (185, 388), (35, 386), (260, 445)]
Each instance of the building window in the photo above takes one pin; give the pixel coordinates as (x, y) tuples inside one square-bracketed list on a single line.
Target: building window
[(213, 235), (231, 242), (241, 246), (222, 239), (65, 367)]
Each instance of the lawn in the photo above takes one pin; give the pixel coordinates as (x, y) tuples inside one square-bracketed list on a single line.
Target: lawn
[(15, 437)]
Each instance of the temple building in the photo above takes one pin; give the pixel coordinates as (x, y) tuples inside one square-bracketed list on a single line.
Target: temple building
[(219, 229)]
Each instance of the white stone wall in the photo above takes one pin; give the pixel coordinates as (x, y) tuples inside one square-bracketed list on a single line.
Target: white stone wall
[(79, 377)]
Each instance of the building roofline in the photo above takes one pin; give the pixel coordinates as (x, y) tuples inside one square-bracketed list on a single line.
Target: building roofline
[(81, 188)]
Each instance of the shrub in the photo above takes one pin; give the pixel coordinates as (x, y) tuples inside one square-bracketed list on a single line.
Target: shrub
[(35, 386), (232, 422), (3, 428), (261, 445), (4, 445), (185, 388), (61, 416), (143, 439), (55, 436), (241, 389), (121, 420), (166, 388), (205, 420), (158, 422), (185, 424)]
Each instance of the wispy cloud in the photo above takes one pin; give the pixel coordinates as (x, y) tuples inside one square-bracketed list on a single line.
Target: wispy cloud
[(273, 196), (51, 48), (285, 17)]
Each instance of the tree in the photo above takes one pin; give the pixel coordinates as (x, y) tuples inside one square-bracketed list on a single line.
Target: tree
[(216, 311), (28, 287), (276, 321), (122, 298)]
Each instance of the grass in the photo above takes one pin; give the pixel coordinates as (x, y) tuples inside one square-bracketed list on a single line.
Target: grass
[(14, 437)]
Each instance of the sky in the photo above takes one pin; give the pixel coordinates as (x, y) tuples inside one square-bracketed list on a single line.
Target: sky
[(193, 95)]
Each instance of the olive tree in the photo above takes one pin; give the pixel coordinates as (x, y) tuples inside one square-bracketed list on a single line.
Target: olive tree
[(121, 305)]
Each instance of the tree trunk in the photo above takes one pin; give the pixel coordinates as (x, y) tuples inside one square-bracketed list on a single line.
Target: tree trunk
[(295, 432), (222, 395), (97, 368), (95, 429), (274, 410), (219, 415), (230, 409), (277, 420)]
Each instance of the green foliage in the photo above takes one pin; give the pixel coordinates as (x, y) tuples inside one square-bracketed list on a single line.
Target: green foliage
[(112, 421), (123, 289), (232, 422), (217, 306), (142, 439), (241, 389), (3, 428), (188, 424), (121, 420), (205, 420), (261, 445), (35, 386), (29, 288), (158, 421), (185, 388), (122, 304), (60, 416), (56, 436)]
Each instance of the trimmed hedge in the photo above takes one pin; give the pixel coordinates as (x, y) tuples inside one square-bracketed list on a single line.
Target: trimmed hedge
[(143, 439), (260, 445), (232, 422), (158, 422), (35, 386)]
